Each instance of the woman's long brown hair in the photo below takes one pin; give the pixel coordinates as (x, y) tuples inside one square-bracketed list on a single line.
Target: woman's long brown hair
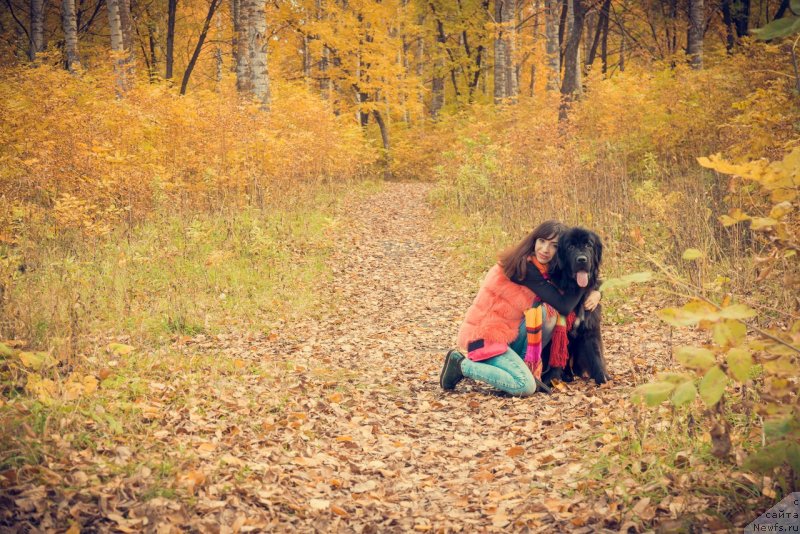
[(514, 260)]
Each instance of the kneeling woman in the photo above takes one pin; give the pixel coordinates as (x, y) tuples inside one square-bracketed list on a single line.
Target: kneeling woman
[(505, 327)]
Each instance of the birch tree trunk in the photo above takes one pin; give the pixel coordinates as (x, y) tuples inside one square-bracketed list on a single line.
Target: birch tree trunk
[(694, 47), (504, 73), (512, 72), (241, 14), (37, 28), (126, 23), (257, 45), (537, 8), (552, 19), (500, 54), (114, 26), (70, 25), (419, 61), (117, 46)]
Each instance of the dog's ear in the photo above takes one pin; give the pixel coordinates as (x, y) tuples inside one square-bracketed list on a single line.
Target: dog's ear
[(598, 251)]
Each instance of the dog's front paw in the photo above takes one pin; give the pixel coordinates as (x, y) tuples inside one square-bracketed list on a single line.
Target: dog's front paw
[(554, 373), (601, 379)]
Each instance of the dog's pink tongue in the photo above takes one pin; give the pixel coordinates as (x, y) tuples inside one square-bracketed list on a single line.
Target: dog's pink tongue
[(582, 278)]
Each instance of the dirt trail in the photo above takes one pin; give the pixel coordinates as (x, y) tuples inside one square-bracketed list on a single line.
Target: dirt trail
[(340, 425), (421, 458)]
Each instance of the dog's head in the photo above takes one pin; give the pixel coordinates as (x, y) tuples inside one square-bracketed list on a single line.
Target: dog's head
[(580, 253)]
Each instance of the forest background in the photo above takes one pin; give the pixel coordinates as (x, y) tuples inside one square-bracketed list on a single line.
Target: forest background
[(172, 168)]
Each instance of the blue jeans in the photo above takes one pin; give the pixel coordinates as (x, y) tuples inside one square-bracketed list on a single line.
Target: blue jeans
[(507, 372)]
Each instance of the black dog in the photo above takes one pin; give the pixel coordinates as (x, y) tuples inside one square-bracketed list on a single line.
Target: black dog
[(580, 253)]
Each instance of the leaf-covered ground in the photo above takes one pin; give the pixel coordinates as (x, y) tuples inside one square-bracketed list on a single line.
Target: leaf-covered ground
[(339, 424)]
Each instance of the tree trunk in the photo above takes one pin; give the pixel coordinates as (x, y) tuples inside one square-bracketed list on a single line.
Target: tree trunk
[(570, 86), (115, 27), (172, 8), (241, 21), (563, 21), (405, 63), (387, 172), (126, 23), (505, 84), (570, 25), (694, 48), (206, 25), (306, 59), (419, 59), (218, 54), (552, 20), (501, 53), (673, 46), (590, 26), (324, 60), (601, 35), (727, 20), (70, 26), (152, 38), (781, 10), (537, 8), (235, 38), (84, 27), (257, 45), (512, 72), (360, 116), (117, 46), (741, 17), (384, 130), (604, 42), (324, 78), (37, 28), (437, 81)]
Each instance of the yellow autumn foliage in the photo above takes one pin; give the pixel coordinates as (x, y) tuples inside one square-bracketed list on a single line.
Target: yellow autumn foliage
[(626, 160), (105, 202), (74, 158)]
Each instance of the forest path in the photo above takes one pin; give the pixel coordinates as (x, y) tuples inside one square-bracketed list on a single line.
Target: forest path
[(339, 424), (378, 446)]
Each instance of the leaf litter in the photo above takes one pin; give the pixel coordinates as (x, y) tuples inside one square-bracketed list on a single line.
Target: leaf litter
[(337, 422)]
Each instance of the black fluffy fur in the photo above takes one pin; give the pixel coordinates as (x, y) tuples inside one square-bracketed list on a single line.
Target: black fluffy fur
[(585, 340)]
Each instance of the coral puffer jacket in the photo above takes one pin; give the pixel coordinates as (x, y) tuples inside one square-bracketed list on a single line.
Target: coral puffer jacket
[(497, 311)]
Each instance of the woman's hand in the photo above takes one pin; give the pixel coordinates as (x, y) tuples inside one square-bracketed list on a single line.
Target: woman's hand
[(592, 300)]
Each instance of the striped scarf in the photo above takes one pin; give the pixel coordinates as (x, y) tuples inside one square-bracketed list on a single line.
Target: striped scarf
[(534, 325)]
